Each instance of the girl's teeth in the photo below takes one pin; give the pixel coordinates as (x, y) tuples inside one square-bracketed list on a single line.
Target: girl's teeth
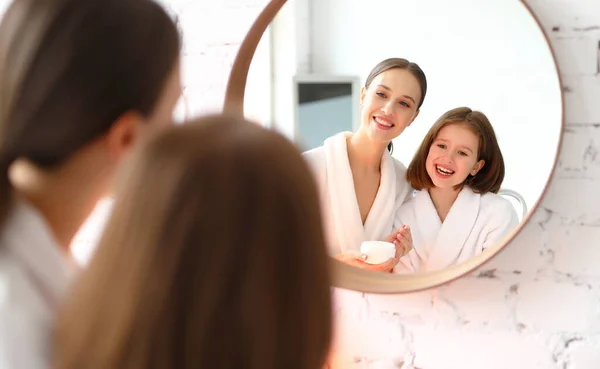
[(444, 171)]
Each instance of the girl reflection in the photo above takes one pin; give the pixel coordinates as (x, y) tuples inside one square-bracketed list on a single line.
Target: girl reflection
[(456, 213)]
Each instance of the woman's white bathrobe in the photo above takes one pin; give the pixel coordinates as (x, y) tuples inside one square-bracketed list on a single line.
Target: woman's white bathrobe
[(474, 223), (34, 278), (343, 224)]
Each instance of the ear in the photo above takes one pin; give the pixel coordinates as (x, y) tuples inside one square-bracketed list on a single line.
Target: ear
[(477, 167), (123, 134), (414, 117), (363, 92)]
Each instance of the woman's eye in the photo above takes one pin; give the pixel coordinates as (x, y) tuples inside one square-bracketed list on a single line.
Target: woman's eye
[(405, 104), (381, 94), (441, 146)]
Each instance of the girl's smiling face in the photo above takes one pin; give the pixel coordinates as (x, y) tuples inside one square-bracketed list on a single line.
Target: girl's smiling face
[(453, 156)]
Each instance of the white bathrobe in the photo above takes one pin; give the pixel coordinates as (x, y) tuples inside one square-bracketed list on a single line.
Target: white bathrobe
[(343, 224), (474, 223), (34, 278)]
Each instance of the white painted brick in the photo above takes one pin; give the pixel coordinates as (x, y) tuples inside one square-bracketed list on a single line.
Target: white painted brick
[(525, 254), (380, 336), (204, 90), (581, 99), (576, 250), (214, 26), (476, 301), (362, 331), (576, 56), (580, 156), (414, 308), (553, 306), (463, 349), (382, 364), (573, 191), (568, 17), (572, 201), (584, 355)]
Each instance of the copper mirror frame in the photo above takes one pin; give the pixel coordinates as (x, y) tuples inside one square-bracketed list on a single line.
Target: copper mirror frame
[(345, 276)]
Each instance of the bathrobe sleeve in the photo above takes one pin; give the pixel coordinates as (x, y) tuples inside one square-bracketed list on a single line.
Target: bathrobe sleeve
[(503, 220), (315, 158)]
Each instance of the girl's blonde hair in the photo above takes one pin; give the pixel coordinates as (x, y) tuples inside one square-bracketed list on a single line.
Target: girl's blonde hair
[(214, 257)]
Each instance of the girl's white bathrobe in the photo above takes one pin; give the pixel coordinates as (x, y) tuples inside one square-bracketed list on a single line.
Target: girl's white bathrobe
[(343, 223), (474, 223)]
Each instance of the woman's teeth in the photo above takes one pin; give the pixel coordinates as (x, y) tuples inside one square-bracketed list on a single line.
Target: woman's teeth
[(444, 171), (383, 122)]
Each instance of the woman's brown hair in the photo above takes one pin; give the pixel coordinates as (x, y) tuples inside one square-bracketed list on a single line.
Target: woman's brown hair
[(214, 257), (400, 63), (489, 178), (70, 68)]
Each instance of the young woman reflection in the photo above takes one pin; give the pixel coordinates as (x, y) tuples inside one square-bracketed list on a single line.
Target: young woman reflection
[(360, 184)]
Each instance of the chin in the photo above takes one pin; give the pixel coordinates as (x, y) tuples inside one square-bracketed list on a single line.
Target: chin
[(443, 185), (446, 187), (378, 135)]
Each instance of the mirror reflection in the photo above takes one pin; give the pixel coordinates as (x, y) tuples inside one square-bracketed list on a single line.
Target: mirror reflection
[(431, 127)]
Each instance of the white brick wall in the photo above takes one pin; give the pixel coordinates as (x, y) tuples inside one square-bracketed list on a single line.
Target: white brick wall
[(538, 305)]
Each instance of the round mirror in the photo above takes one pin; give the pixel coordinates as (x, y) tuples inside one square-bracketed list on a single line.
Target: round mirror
[(433, 127)]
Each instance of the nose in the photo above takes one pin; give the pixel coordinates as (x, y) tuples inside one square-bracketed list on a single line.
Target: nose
[(388, 108), (449, 156)]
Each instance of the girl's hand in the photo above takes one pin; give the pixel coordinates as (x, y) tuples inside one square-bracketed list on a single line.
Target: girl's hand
[(402, 238)]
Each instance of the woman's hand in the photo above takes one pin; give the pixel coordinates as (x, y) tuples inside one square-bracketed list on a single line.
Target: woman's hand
[(358, 260), (402, 238)]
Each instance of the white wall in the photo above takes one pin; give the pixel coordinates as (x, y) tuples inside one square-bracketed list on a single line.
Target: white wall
[(537, 306), (210, 45), (292, 48)]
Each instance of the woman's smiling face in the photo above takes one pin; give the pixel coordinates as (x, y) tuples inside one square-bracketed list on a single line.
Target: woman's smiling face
[(390, 104)]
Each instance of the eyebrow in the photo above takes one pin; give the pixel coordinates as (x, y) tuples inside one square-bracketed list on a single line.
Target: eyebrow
[(389, 89)]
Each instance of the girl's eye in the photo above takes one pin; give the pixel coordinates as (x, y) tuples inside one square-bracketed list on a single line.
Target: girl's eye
[(462, 153), (381, 94), (404, 104), (441, 146)]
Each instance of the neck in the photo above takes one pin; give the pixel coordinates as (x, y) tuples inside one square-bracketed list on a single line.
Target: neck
[(363, 152), (58, 195), (443, 199)]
